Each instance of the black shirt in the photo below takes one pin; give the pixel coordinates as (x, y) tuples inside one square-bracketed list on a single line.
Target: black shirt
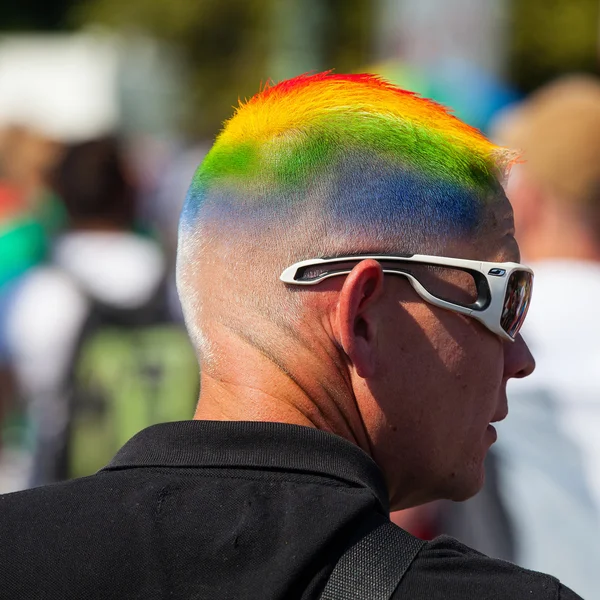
[(225, 510)]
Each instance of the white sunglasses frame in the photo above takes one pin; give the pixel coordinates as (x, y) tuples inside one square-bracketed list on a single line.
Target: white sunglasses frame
[(497, 275)]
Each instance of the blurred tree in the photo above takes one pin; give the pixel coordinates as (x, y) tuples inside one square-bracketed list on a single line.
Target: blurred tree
[(350, 32), (224, 43), (230, 46), (551, 37)]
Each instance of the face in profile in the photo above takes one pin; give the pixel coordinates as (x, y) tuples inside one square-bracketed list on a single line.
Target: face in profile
[(441, 382)]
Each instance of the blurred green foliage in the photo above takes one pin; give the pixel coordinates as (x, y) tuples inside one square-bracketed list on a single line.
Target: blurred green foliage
[(551, 37), (229, 45), (224, 43)]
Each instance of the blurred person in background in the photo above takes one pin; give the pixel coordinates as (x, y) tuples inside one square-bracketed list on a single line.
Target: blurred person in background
[(30, 212), (548, 451), (30, 216), (322, 406), (94, 354)]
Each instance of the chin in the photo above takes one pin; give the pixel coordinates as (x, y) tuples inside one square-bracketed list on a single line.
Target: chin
[(466, 485), (458, 487), (446, 483)]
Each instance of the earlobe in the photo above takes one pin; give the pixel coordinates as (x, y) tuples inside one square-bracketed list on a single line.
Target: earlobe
[(356, 315)]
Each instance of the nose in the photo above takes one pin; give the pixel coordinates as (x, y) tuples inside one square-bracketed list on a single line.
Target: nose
[(518, 360)]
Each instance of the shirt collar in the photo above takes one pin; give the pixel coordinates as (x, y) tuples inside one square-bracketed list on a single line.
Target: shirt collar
[(249, 444)]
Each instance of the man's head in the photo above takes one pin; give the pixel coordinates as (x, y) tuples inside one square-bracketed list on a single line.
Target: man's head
[(323, 166), (555, 191)]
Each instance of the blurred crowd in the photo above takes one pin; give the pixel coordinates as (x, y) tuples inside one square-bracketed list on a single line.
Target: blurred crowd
[(91, 344), (92, 348)]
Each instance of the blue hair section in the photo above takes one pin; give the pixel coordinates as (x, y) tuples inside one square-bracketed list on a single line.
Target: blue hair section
[(192, 204), (387, 201), (365, 198)]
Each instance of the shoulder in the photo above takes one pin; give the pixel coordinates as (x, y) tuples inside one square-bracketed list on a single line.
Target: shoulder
[(52, 499), (447, 569), (72, 514), (75, 504), (73, 538)]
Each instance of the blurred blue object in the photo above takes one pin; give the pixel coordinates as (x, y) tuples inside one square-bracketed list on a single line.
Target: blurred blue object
[(8, 294), (473, 94)]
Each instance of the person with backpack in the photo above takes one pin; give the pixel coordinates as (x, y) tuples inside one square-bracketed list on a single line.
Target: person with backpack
[(351, 282), (99, 359)]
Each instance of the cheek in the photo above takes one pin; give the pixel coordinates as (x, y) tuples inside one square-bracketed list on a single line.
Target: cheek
[(441, 369), (464, 387), (442, 384), (469, 351)]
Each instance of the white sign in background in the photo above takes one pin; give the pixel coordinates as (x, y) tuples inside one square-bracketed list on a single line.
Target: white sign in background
[(63, 86)]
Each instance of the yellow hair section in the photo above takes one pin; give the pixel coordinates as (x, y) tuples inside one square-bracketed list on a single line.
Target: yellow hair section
[(296, 104)]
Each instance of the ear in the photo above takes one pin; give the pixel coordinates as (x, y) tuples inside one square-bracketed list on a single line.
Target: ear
[(355, 319)]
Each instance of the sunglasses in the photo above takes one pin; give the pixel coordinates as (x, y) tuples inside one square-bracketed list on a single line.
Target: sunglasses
[(496, 294)]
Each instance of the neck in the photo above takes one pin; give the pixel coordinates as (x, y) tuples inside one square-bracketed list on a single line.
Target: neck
[(224, 399), (308, 390)]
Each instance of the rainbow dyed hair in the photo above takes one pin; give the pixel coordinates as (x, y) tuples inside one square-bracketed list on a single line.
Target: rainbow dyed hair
[(287, 132), (332, 164)]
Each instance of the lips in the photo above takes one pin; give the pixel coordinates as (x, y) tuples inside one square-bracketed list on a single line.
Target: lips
[(492, 431)]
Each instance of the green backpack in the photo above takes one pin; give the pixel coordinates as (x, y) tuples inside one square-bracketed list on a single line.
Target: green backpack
[(125, 378)]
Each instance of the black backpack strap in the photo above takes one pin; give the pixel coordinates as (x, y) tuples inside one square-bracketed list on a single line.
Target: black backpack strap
[(373, 567)]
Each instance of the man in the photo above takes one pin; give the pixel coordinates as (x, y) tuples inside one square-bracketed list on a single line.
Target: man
[(332, 390), (549, 451)]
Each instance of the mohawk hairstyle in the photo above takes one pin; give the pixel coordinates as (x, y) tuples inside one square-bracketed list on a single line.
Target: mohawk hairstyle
[(326, 164)]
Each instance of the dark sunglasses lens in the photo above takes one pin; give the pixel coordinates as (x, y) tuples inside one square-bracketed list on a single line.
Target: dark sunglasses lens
[(516, 302), (446, 283)]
